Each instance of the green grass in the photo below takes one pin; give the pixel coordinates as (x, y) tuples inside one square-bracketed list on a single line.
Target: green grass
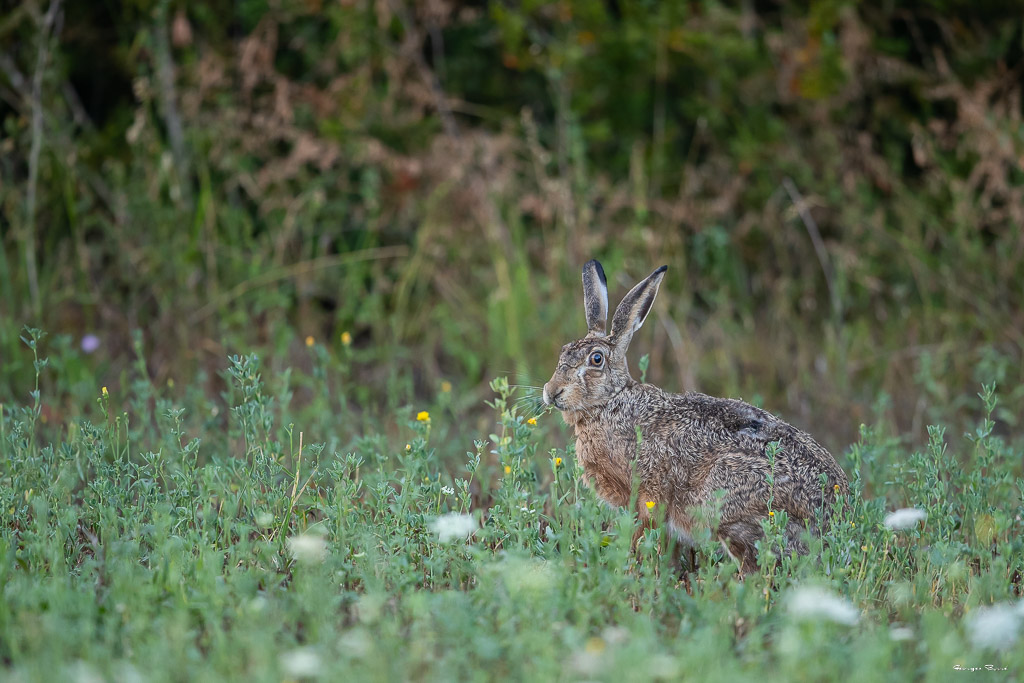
[(156, 536)]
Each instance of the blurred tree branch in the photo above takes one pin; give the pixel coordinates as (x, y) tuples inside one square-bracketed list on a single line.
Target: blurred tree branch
[(169, 101), (46, 28)]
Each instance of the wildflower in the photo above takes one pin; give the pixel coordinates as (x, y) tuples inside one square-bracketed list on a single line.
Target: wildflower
[(104, 392), (408, 446), (864, 548), (809, 602), (423, 416), (307, 548), (852, 525), (310, 341), (899, 633), (650, 504), (90, 343), (995, 627), (836, 488), (302, 662), (532, 422), (448, 490), (558, 462), (446, 387), (905, 518), (771, 513), (346, 338), (453, 526), (508, 470)]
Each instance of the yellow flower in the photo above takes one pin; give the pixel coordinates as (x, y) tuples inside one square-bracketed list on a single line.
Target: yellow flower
[(310, 341), (771, 513), (852, 524), (532, 421), (423, 416), (508, 470), (650, 504), (864, 548), (346, 338), (104, 391), (446, 387), (408, 446), (836, 488), (558, 462)]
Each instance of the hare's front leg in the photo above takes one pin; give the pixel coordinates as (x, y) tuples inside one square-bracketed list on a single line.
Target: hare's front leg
[(739, 540), (647, 518), (645, 522)]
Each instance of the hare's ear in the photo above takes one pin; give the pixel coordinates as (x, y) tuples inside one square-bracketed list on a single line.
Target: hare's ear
[(595, 298), (635, 306)]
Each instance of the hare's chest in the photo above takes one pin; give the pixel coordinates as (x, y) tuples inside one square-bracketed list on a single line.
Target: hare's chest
[(604, 470)]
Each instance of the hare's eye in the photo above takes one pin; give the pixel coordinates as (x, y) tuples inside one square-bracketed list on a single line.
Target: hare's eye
[(596, 358)]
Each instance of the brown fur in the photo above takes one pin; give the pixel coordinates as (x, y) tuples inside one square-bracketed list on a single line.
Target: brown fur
[(691, 445)]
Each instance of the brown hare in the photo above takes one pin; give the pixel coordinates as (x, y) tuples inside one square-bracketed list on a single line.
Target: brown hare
[(682, 449)]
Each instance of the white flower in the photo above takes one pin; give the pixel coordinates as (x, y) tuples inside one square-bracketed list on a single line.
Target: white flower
[(453, 526), (995, 627), (905, 518), (301, 662), (448, 490), (900, 633), (307, 548), (810, 602)]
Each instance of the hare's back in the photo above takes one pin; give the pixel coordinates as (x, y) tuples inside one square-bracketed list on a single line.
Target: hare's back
[(725, 425)]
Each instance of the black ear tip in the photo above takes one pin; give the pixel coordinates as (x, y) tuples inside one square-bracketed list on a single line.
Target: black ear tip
[(596, 265), (660, 270)]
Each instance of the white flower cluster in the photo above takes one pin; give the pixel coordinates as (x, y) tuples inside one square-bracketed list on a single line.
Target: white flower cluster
[(905, 518), (302, 662), (996, 627), (307, 548), (453, 526), (816, 604)]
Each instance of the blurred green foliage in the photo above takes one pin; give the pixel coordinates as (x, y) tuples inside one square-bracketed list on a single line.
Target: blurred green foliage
[(836, 187)]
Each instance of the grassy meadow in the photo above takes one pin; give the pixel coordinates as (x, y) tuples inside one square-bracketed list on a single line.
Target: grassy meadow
[(274, 545), (279, 282)]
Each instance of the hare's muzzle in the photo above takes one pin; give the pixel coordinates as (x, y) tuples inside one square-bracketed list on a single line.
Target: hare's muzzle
[(551, 398)]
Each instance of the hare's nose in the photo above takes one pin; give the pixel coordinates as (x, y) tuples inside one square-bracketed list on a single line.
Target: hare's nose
[(549, 398)]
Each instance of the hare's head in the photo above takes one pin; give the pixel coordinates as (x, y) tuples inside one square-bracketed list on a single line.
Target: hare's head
[(592, 370)]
